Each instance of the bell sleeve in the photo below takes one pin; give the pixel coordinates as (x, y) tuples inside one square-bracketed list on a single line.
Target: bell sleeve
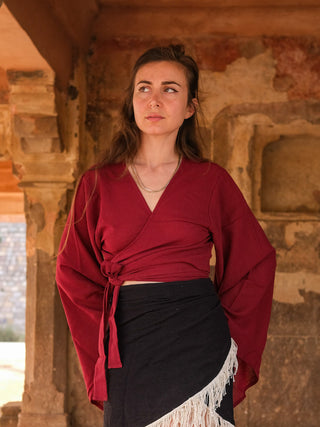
[(244, 277), (80, 282)]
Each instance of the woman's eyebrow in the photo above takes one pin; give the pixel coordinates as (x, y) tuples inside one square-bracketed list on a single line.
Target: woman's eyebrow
[(146, 82), (167, 82), (170, 82)]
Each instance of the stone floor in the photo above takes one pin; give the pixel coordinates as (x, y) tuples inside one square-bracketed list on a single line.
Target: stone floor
[(12, 365)]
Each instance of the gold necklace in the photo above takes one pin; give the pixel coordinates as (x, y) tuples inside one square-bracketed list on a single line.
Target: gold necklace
[(148, 189)]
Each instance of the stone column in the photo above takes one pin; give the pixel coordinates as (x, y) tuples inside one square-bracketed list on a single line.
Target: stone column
[(46, 162), (46, 331)]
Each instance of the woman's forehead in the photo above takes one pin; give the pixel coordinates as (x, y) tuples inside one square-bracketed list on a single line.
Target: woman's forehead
[(161, 71)]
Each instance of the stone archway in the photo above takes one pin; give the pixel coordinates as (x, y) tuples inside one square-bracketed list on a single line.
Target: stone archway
[(41, 132)]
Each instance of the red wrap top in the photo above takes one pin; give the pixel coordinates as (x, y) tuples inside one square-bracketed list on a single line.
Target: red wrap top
[(112, 236)]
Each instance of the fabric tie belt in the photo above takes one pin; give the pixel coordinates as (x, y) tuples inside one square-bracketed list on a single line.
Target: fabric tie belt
[(111, 270)]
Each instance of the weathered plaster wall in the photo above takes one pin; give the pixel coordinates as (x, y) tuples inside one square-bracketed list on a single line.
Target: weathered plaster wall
[(261, 101)]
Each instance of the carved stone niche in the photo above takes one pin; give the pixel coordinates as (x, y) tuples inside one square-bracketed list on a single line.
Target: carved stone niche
[(290, 178), (287, 170), (273, 153)]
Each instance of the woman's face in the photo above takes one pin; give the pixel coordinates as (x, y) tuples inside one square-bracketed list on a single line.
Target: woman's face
[(160, 98)]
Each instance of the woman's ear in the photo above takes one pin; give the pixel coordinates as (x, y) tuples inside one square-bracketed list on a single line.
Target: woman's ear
[(192, 108)]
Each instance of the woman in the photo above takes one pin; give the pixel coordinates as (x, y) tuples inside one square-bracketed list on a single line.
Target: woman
[(152, 332)]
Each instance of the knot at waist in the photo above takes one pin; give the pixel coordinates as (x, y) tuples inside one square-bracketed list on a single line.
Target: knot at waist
[(112, 270)]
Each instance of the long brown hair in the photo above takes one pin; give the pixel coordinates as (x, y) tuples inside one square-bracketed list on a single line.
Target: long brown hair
[(126, 142)]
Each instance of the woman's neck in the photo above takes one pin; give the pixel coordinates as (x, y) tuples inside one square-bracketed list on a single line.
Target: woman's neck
[(156, 151)]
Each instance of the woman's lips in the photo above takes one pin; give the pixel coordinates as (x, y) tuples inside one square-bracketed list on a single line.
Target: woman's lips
[(154, 118)]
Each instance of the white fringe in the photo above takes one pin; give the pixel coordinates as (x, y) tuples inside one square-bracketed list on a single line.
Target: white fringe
[(195, 412)]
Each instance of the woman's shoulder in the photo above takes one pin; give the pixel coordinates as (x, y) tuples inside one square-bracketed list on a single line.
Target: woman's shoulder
[(104, 172), (212, 177), (206, 168)]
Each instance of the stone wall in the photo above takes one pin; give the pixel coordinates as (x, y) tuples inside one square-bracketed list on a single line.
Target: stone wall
[(260, 98), (13, 277)]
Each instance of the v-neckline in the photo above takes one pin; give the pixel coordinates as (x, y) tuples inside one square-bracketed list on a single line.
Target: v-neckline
[(151, 212)]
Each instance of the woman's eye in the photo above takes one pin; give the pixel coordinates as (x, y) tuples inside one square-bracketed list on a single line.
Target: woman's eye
[(170, 90), (143, 89)]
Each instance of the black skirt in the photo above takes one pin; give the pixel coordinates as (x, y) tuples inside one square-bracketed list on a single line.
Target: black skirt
[(177, 355)]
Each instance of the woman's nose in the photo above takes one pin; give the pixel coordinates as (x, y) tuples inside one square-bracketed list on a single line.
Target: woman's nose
[(154, 101)]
